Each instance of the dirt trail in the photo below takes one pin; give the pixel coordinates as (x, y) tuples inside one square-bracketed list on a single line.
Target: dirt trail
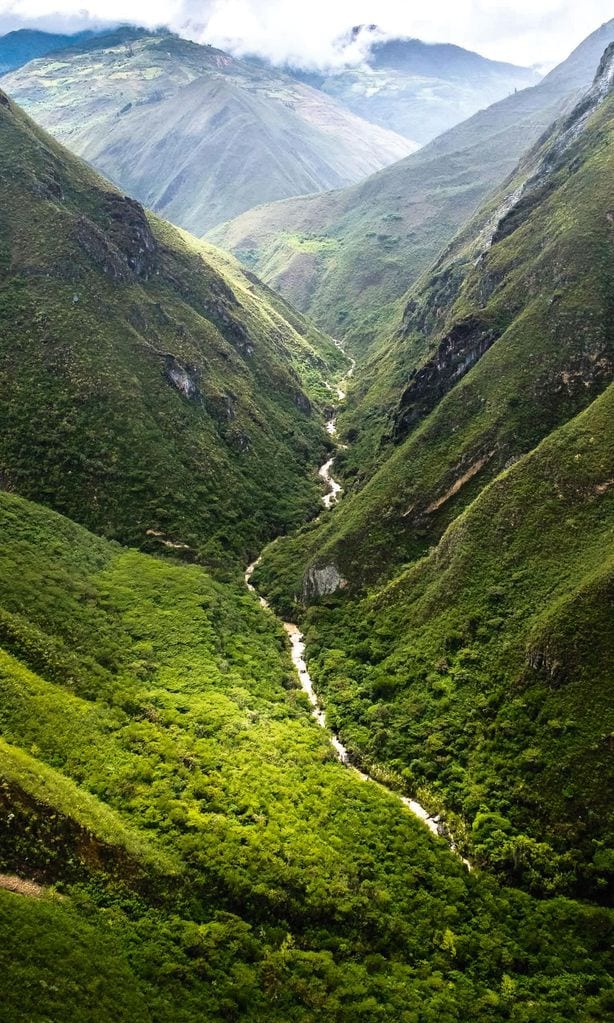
[(12, 883)]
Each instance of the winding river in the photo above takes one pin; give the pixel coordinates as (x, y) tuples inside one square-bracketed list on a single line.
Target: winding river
[(297, 645)]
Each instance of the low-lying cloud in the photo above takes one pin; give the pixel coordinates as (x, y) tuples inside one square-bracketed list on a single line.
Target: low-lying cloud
[(310, 35)]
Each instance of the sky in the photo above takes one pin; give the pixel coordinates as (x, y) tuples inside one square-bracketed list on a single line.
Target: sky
[(529, 32)]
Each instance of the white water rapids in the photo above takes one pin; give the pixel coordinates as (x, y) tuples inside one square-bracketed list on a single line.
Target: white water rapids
[(297, 644)]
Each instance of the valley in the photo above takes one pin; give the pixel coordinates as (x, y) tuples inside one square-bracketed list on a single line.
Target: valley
[(306, 581)]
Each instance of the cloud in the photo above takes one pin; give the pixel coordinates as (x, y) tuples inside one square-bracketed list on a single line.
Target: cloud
[(522, 31)]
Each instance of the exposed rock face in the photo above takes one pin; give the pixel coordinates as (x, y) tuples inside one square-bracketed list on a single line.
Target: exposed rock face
[(132, 235), (184, 379), (302, 402), (459, 350), (127, 249), (319, 582), (519, 204)]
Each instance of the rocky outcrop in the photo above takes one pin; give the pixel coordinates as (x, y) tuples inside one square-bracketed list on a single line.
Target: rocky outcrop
[(131, 233), (181, 377), (126, 248), (459, 350), (320, 582), (539, 180)]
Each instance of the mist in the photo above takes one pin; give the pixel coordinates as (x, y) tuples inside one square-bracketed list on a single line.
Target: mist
[(527, 32)]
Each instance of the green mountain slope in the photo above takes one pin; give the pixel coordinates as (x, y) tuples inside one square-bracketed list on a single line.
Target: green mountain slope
[(493, 356), (348, 257), (480, 673), (483, 673), (193, 133), (200, 853), (150, 388), (419, 89), (26, 44)]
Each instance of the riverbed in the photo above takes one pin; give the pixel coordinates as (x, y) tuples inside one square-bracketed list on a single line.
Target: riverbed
[(297, 645)]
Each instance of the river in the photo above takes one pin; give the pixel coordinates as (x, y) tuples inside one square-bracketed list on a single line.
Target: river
[(297, 646)]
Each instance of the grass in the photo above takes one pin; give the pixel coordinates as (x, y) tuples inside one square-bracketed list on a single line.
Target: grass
[(466, 655), (99, 307), (211, 855)]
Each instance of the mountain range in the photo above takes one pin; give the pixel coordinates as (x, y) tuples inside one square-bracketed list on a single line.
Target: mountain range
[(347, 257), (194, 133), (25, 44), (265, 759), (415, 88)]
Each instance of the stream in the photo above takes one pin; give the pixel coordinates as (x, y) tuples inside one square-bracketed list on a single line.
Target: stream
[(297, 644)]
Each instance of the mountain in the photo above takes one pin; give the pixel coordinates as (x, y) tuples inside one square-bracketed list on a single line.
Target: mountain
[(475, 553), (348, 257), (193, 133), (26, 44), (179, 840), (419, 89), (150, 388)]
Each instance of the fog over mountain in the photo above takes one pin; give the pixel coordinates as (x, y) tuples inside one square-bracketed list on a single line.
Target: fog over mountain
[(308, 35)]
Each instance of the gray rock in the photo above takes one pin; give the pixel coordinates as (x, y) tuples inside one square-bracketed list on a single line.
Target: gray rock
[(319, 582)]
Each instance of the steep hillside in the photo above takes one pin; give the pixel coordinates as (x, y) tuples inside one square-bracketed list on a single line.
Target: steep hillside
[(180, 844), (26, 44), (479, 675), (420, 89), (348, 257), (496, 354), (193, 133), (149, 387)]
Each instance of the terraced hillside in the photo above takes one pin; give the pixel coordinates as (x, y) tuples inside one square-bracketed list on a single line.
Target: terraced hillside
[(193, 133), (348, 257), (150, 388)]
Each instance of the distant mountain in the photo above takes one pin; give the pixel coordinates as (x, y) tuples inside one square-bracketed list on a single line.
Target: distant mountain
[(26, 44), (347, 257), (194, 133), (150, 389), (467, 648), (419, 89)]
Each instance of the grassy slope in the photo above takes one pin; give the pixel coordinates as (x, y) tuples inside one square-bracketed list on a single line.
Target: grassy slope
[(194, 133), (348, 257), (543, 292), (100, 307), (433, 310), (214, 860), (483, 673)]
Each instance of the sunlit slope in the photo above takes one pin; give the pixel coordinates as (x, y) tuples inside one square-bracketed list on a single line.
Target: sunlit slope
[(348, 257), (193, 133), (483, 672), (210, 857), (150, 389)]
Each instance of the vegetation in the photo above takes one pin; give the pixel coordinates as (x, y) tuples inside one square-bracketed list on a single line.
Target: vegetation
[(481, 676), (208, 857), (197, 135), (178, 840), (467, 656), (355, 289), (150, 388), (500, 346)]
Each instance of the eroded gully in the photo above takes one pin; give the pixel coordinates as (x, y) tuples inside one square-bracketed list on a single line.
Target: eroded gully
[(297, 645)]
